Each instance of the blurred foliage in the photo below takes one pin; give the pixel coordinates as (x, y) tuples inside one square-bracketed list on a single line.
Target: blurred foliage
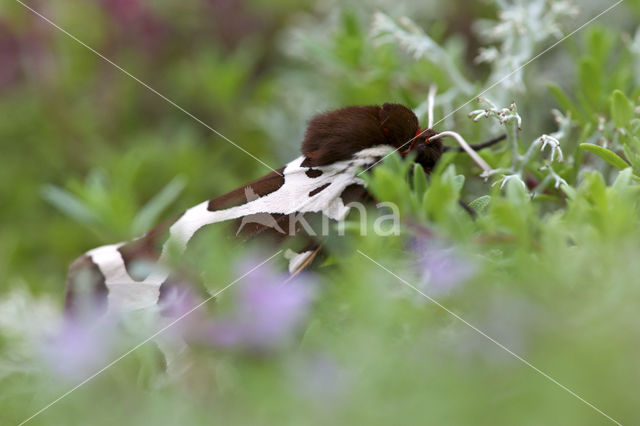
[(89, 157)]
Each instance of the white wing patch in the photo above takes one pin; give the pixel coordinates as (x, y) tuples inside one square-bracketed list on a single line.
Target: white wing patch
[(294, 196), (264, 219), (296, 259)]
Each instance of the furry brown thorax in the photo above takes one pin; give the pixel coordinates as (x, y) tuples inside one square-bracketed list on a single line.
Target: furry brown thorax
[(337, 135)]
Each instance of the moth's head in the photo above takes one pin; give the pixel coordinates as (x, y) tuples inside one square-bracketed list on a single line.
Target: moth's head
[(427, 152), (401, 128)]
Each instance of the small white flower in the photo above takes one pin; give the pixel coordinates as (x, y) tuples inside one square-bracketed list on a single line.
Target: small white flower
[(554, 144), (558, 181), (504, 115), (487, 55)]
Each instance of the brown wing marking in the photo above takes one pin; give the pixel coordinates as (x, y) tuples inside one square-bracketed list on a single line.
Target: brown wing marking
[(260, 187), (86, 289), (318, 189), (355, 192), (313, 173), (147, 248)]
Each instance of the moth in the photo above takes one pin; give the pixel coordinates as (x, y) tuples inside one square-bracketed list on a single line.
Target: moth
[(337, 146)]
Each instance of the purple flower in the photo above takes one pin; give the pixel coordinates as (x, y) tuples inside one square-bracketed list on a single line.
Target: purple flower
[(266, 311), (441, 268), (179, 305), (80, 348), (179, 299)]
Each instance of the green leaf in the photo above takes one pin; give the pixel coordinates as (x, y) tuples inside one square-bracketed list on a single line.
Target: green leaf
[(419, 179), (480, 204), (544, 198), (599, 43), (150, 212), (69, 204), (632, 152), (621, 109), (608, 156), (458, 182), (384, 184), (442, 195), (634, 126), (564, 102), (394, 162), (590, 77), (445, 160), (623, 180), (569, 191), (517, 193)]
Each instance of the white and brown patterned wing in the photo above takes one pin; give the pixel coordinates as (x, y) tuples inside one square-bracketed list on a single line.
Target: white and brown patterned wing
[(107, 275)]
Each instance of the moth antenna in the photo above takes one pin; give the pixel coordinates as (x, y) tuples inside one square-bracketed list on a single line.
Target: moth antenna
[(431, 100), (465, 146), (479, 146)]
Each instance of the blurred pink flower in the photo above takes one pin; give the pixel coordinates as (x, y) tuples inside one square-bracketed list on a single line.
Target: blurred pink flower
[(265, 314), (178, 299), (80, 348), (442, 268)]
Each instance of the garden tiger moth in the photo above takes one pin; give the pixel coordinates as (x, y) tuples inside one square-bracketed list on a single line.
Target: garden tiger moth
[(337, 145)]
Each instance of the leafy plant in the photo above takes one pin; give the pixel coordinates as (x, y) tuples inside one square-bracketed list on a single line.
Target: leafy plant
[(548, 266)]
